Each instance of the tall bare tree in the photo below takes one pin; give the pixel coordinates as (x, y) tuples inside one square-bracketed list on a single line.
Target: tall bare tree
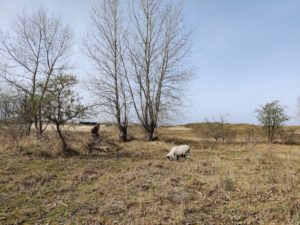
[(158, 48), (36, 50), (104, 45)]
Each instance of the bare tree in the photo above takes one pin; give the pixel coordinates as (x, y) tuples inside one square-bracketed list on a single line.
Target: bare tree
[(36, 50), (63, 105), (158, 47), (218, 130), (104, 45), (15, 116)]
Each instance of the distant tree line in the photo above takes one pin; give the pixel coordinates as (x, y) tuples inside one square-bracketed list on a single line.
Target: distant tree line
[(271, 117)]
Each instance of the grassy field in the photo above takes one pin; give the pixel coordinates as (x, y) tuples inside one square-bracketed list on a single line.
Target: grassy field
[(133, 183)]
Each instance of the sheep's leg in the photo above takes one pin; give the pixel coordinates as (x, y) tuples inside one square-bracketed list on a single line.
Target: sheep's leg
[(177, 157)]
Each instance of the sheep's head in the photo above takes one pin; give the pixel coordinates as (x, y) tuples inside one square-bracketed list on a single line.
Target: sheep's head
[(170, 157)]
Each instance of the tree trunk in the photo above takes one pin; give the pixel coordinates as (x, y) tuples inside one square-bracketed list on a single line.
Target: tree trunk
[(28, 129), (123, 133), (62, 138), (149, 135), (38, 122), (40, 126), (271, 139), (270, 136)]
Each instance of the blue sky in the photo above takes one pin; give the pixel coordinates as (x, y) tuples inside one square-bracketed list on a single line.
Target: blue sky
[(245, 53)]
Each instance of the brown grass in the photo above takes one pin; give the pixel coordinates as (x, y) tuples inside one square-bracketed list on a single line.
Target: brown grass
[(133, 183)]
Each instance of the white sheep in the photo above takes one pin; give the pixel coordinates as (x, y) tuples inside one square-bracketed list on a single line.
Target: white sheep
[(178, 151)]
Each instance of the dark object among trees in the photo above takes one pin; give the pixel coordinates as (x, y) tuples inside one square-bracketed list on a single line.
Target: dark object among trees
[(87, 123), (95, 131)]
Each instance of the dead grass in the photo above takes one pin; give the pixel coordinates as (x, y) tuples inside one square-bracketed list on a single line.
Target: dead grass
[(135, 184)]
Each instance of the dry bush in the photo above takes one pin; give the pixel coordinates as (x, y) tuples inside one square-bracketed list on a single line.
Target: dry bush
[(45, 147), (215, 133), (251, 135), (12, 134), (289, 136)]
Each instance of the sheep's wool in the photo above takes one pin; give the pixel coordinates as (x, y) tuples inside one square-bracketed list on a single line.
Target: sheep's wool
[(178, 151)]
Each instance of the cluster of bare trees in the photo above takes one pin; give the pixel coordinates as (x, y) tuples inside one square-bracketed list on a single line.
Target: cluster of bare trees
[(35, 60), (139, 49), (218, 130)]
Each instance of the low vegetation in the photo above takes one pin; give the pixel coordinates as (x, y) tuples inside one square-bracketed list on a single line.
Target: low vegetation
[(133, 183)]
